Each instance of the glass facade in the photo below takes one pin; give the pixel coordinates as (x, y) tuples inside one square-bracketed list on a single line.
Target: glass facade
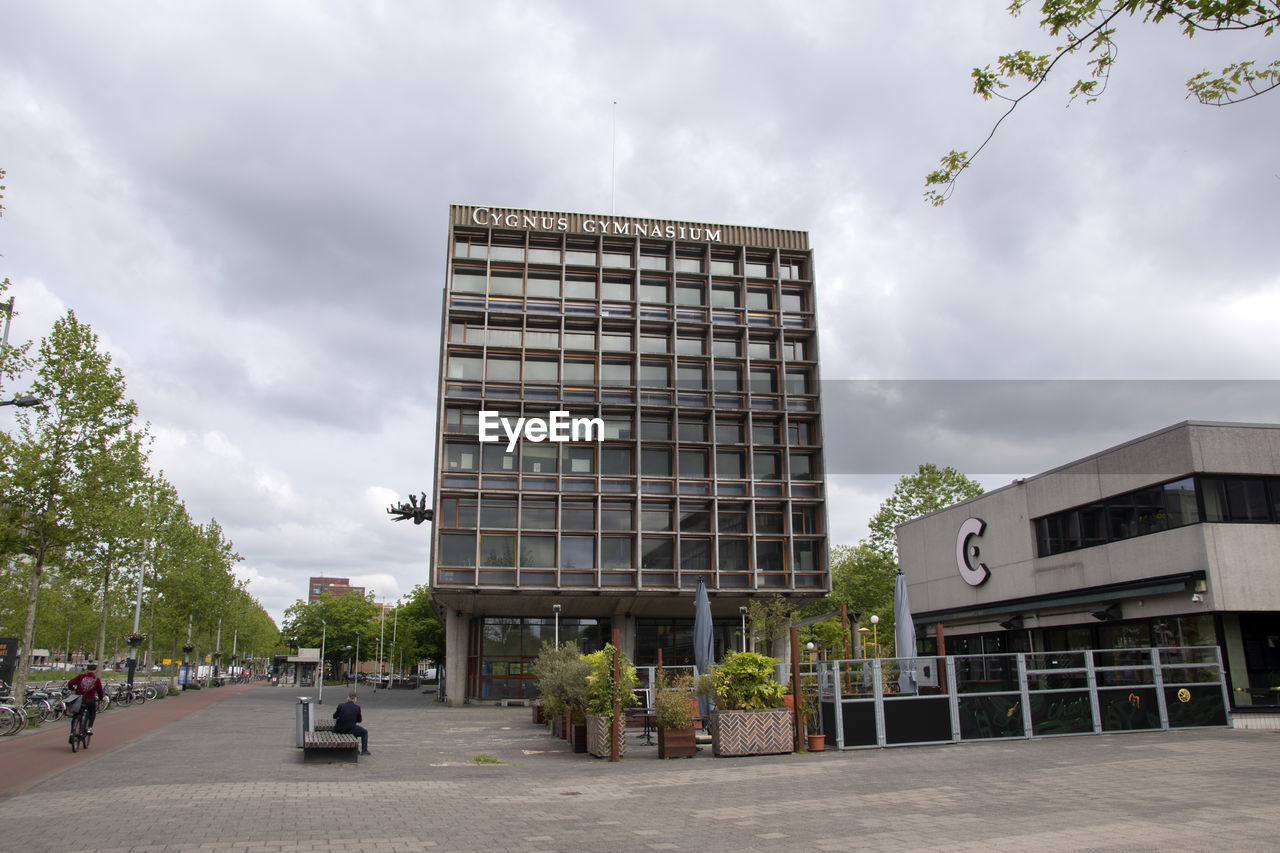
[(698, 359), (1189, 500)]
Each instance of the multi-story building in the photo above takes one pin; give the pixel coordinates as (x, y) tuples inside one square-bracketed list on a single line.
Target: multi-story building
[(334, 586), (682, 359)]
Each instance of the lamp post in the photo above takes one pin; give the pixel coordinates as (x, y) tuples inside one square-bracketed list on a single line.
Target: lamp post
[(26, 401), (555, 608), (875, 633), (351, 670), (320, 692), (742, 612)]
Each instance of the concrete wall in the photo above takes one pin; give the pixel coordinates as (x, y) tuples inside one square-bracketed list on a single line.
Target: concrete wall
[(1242, 561)]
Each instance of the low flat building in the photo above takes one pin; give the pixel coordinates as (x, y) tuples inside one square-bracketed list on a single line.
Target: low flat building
[(1171, 539)]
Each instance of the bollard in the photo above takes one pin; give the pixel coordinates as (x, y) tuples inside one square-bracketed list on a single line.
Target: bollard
[(305, 719)]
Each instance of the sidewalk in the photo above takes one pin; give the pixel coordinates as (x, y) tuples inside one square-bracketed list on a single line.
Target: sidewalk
[(228, 779)]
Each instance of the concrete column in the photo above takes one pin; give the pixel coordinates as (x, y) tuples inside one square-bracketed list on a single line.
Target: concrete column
[(455, 657), (1237, 670), (626, 625)]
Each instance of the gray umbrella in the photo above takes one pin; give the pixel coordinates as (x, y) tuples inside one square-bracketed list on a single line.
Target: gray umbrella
[(904, 636), (704, 653)]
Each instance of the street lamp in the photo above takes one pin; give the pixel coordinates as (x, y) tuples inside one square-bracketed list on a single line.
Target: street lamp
[(555, 608), (875, 633), (26, 401), (742, 611), (811, 645), (320, 691)]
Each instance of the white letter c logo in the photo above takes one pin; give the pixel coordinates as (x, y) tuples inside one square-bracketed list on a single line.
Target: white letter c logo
[(967, 555)]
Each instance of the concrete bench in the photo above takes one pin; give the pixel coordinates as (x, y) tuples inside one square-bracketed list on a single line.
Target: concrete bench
[(314, 743)]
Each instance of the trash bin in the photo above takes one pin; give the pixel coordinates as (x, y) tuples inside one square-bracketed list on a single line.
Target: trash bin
[(306, 719)]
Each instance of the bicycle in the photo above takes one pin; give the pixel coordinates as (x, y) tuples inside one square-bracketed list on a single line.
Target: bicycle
[(80, 733)]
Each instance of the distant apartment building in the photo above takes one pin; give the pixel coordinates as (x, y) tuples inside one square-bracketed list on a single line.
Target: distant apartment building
[(317, 587)]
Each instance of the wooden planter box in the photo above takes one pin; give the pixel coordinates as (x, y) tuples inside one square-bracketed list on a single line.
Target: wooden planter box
[(767, 732), (539, 714), (676, 743), (598, 737), (557, 726), (576, 733)]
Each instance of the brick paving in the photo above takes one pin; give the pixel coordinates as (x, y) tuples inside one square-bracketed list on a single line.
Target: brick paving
[(228, 779)]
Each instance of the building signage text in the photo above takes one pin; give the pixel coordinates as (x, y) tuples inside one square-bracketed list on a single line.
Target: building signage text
[(608, 227)]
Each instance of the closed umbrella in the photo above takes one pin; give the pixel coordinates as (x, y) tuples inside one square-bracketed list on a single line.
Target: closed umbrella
[(904, 636), (703, 645)]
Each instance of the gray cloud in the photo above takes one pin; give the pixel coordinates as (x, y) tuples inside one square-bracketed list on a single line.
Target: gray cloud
[(248, 202)]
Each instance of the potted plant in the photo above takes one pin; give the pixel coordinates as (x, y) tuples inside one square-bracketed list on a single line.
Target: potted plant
[(599, 699), (562, 681), (810, 707), (673, 712), (750, 716)]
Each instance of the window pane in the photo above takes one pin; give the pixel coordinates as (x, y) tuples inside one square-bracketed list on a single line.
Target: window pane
[(733, 555), (616, 461), (457, 549), (655, 462), (578, 515), (498, 512), (656, 552), (693, 463), (539, 458), (733, 518), (769, 556), (615, 516), (729, 464), (538, 552), (767, 465), (461, 455), (538, 514), (695, 555), (695, 518), (656, 517), (497, 549), (578, 552), (615, 552)]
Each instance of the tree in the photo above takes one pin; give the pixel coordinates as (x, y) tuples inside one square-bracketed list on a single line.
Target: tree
[(929, 489), (1087, 27), (421, 634), (341, 620), (42, 471), (862, 578)]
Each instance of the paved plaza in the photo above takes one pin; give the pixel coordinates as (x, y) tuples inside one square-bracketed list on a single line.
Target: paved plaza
[(227, 777)]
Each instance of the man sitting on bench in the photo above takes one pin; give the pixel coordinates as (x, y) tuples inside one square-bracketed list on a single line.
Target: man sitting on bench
[(346, 718)]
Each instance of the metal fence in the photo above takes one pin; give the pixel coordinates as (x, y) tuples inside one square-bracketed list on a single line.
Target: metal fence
[(955, 698)]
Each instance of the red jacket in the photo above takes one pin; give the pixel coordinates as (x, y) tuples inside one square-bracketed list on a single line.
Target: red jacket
[(87, 685)]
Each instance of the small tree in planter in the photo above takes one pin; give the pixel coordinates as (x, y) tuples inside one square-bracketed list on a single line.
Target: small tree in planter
[(750, 717), (599, 699), (673, 704), (562, 680)]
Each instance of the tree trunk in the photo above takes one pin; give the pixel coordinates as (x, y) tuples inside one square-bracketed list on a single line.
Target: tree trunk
[(102, 620), (29, 626)]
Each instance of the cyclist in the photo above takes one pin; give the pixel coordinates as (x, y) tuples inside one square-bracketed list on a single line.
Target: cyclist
[(88, 686)]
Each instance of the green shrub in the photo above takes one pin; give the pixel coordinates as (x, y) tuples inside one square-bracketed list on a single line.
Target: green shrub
[(671, 702), (598, 698), (562, 676), (745, 682)]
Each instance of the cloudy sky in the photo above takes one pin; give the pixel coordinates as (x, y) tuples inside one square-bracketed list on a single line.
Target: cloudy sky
[(247, 201)]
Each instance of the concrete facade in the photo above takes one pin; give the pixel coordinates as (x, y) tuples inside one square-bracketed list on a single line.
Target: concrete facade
[(1219, 569)]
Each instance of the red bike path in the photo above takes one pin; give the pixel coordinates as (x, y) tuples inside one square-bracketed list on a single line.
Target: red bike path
[(33, 756)]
